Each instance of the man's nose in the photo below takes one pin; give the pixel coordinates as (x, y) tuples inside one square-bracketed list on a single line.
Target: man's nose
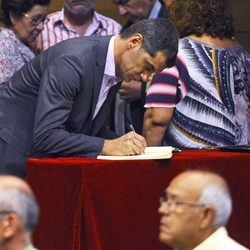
[(122, 10), (164, 208)]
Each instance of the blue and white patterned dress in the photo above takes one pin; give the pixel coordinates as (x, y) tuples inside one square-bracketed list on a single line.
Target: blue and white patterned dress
[(216, 109)]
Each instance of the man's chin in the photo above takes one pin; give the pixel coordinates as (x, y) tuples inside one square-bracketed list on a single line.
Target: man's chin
[(164, 238), (81, 10)]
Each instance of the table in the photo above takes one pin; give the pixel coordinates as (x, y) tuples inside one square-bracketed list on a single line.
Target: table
[(95, 204)]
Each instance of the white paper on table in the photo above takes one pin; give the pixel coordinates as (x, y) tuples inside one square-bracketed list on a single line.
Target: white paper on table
[(163, 152)]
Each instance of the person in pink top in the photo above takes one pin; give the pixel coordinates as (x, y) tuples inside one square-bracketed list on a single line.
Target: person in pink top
[(77, 18)]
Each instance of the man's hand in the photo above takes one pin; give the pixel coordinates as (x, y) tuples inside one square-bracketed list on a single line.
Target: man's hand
[(130, 91), (128, 144)]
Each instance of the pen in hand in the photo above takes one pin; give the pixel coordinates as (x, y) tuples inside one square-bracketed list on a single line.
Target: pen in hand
[(132, 127)]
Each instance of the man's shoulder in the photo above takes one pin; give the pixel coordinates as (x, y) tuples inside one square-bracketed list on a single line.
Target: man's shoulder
[(220, 240), (107, 23), (79, 48), (105, 18), (85, 42), (56, 14), (231, 244)]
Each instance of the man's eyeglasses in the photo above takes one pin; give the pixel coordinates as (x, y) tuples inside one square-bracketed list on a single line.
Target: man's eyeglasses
[(34, 21), (121, 2), (174, 205), (6, 212)]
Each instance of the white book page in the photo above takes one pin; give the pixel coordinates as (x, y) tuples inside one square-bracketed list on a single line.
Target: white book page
[(163, 152)]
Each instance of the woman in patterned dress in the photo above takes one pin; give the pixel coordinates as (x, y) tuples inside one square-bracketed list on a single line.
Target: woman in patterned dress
[(22, 21), (210, 106)]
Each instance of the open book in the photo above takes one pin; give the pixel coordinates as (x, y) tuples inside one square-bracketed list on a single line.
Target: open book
[(149, 153)]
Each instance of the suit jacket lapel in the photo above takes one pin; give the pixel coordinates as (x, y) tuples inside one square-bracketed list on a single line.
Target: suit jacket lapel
[(101, 55), (99, 120)]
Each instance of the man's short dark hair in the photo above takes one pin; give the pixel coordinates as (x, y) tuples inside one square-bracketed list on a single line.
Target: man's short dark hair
[(158, 35)]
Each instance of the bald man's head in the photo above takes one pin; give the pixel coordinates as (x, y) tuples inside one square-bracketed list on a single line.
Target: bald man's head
[(9, 181), (195, 181), (200, 201)]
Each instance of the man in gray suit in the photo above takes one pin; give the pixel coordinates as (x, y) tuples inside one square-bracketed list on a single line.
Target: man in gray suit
[(56, 104)]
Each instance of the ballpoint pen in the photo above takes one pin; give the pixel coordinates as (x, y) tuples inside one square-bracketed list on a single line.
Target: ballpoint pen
[(132, 127)]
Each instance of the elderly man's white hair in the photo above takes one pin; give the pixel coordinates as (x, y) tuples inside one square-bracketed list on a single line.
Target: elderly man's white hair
[(16, 197), (217, 195)]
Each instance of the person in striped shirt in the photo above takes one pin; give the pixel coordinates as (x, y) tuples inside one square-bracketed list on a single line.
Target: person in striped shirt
[(77, 18), (166, 90)]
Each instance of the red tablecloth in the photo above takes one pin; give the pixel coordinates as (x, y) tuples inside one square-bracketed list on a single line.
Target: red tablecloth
[(112, 205)]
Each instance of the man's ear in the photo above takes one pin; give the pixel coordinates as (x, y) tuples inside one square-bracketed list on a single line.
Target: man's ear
[(10, 225), (207, 217), (135, 41)]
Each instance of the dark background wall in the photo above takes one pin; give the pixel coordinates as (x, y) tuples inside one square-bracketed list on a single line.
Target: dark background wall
[(241, 13)]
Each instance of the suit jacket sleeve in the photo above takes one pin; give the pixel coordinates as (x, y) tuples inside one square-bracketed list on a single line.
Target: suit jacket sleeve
[(61, 83)]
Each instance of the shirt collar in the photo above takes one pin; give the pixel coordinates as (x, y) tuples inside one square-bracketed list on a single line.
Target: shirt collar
[(110, 61), (155, 10), (214, 240), (59, 18)]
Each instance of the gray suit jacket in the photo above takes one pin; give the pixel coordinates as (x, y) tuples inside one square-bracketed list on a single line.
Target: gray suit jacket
[(48, 105)]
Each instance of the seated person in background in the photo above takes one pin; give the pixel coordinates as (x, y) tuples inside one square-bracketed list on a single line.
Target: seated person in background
[(216, 109), (56, 105), (18, 214), (136, 10), (77, 18), (23, 21), (129, 107), (194, 211)]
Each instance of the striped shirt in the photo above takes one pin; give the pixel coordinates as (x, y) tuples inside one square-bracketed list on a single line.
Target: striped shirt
[(168, 87), (58, 29)]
